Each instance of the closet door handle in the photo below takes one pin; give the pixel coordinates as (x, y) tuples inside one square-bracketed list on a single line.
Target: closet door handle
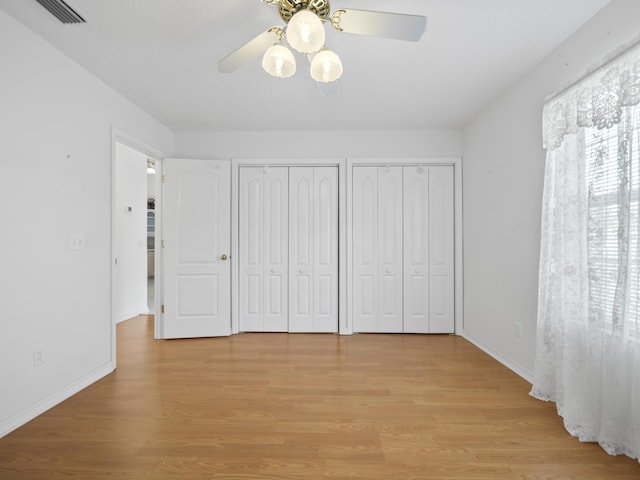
[(223, 257)]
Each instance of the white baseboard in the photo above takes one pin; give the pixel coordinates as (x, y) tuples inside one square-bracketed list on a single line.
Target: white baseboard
[(132, 314), (514, 367), (52, 400)]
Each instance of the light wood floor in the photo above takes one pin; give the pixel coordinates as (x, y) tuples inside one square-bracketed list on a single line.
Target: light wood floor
[(278, 406)]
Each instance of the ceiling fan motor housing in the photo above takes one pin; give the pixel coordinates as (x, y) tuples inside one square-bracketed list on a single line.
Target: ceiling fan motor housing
[(288, 8)]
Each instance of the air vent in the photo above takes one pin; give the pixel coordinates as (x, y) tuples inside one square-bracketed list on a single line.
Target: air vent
[(62, 11)]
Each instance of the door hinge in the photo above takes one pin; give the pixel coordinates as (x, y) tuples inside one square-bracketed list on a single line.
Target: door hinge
[(164, 179), (162, 243), (162, 308)]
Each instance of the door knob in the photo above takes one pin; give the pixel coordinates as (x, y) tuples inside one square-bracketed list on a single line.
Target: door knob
[(223, 257)]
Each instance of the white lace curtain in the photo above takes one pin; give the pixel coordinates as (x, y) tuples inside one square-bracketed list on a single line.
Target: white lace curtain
[(588, 343)]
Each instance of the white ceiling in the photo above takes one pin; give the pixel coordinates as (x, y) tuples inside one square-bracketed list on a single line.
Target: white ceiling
[(162, 54)]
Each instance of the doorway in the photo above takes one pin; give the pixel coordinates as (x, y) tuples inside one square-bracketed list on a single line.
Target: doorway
[(152, 170), (133, 230)]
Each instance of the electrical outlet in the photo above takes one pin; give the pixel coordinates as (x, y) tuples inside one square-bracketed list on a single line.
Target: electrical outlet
[(518, 329), (38, 357)]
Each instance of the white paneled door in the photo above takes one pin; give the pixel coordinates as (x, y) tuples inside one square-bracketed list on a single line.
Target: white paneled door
[(196, 234), (263, 243), (313, 249), (403, 249)]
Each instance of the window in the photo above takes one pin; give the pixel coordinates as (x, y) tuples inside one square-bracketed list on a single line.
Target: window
[(612, 177)]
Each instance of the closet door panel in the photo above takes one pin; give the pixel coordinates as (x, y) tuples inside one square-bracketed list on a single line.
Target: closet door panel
[(416, 249), (251, 253), (325, 252), (441, 252), (365, 249), (276, 248), (301, 269), (390, 247), (403, 249)]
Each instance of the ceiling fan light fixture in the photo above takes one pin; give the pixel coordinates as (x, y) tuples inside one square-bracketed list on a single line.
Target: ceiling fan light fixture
[(305, 32), (326, 66), (279, 62)]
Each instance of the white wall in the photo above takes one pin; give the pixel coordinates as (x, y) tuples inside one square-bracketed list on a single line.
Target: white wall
[(55, 179), (503, 181), (151, 185), (130, 296), (323, 144)]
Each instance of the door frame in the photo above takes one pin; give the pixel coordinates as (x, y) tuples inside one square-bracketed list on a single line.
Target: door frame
[(120, 136), (456, 163), (341, 163)]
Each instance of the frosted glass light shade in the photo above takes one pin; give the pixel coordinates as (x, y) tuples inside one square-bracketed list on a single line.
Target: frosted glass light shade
[(305, 32), (326, 66), (279, 62)]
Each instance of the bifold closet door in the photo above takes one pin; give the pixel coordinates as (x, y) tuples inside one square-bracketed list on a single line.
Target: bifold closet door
[(313, 249), (377, 249), (428, 249), (263, 245), (403, 249)]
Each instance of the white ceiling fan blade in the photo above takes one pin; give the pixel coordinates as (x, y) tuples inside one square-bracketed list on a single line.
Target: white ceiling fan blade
[(380, 24), (250, 50)]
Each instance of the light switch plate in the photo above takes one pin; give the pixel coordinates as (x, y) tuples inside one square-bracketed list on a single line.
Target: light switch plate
[(76, 241)]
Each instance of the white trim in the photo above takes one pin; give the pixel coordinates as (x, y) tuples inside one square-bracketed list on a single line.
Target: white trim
[(344, 327), (120, 136), (54, 399), (516, 368), (348, 330), (158, 258), (235, 247), (456, 162), (459, 245), (382, 161)]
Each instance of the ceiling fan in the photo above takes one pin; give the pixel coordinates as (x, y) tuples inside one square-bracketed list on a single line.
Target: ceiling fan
[(304, 32)]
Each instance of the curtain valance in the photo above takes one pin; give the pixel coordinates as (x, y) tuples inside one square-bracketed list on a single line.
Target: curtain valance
[(596, 101)]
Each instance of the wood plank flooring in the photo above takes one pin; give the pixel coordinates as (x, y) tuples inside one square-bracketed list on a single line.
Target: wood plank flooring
[(278, 407)]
